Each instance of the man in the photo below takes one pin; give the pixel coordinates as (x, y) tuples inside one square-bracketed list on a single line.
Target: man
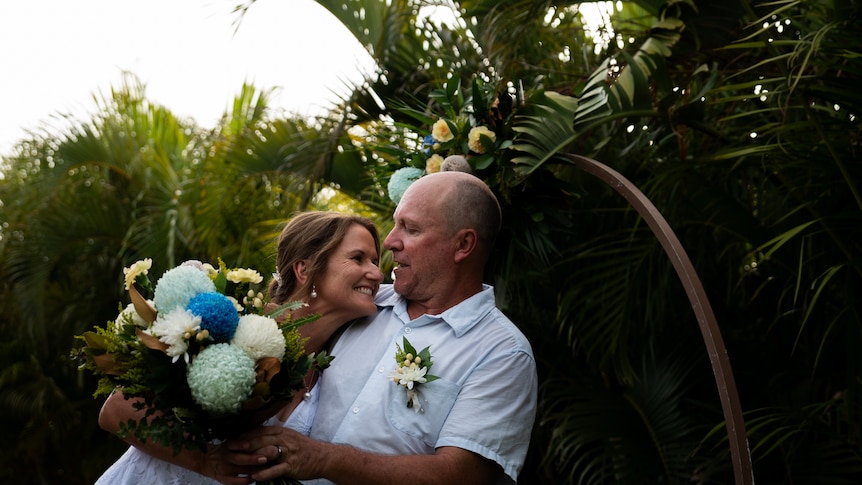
[(473, 423)]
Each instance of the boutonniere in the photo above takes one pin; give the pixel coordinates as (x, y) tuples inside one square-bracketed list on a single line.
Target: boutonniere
[(412, 370)]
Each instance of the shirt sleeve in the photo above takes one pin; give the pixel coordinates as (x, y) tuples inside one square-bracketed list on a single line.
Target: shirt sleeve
[(494, 413)]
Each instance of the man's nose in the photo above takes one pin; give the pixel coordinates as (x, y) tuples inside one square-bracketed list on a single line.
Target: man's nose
[(389, 242)]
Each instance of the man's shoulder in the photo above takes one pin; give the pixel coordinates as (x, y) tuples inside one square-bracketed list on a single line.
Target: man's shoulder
[(479, 318), (508, 331)]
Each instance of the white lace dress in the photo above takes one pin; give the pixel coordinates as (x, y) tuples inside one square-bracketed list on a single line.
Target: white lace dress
[(136, 467)]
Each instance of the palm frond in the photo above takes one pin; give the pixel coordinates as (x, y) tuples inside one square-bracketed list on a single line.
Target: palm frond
[(630, 435)]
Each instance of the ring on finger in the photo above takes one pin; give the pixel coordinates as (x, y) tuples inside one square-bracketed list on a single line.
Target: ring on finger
[(280, 453)]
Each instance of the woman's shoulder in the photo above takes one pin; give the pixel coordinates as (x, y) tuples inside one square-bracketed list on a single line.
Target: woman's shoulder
[(386, 295)]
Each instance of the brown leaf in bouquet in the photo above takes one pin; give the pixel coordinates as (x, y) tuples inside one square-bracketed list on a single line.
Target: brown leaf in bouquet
[(151, 342), (142, 306)]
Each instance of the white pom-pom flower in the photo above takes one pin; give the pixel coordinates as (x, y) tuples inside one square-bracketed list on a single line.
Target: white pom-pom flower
[(259, 337)]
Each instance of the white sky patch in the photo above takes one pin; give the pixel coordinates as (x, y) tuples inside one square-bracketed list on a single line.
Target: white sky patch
[(597, 23), (58, 55)]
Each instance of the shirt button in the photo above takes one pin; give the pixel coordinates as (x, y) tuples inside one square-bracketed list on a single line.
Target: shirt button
[(355, 410), (407, 330), (381, 370)]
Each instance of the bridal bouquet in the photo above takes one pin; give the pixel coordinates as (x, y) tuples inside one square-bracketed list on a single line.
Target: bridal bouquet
[(204, 357)]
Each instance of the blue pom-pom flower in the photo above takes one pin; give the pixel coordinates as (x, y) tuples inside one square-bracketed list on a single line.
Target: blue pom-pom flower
[(401, 179), (218, 315)]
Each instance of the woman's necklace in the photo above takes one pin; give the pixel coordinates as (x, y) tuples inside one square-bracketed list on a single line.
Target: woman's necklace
[(308, 384)]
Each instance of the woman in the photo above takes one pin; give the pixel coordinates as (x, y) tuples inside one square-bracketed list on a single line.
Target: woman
[(326, 259)]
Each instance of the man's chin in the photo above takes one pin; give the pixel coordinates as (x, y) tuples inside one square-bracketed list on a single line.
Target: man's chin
[(400, 287)]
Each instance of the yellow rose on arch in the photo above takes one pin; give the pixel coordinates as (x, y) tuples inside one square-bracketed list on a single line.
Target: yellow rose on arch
[(441, 131), (474, 140), (433, 164)]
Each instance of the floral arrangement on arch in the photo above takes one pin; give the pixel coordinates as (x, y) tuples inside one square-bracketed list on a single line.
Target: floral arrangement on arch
[(204, 357), (471, 133)]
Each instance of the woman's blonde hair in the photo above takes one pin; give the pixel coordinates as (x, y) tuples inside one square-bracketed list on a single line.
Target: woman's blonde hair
[(312, 237)]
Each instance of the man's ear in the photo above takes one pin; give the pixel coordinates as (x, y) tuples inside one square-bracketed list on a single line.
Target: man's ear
[(300, 270), (466, 243)]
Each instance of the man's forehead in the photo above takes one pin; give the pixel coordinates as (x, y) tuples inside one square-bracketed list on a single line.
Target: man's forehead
[(406, 213), (416, 213), (421, 201)]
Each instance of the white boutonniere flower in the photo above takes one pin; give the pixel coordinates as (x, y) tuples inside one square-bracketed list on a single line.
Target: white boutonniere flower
[(411, 370)]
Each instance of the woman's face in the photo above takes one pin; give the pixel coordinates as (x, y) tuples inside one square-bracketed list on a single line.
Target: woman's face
[(351, 278)]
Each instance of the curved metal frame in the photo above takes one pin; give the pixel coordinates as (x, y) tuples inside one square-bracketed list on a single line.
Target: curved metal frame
[(727, 391)]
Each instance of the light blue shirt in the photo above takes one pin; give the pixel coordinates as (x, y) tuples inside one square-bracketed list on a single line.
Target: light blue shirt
[(484, 400)]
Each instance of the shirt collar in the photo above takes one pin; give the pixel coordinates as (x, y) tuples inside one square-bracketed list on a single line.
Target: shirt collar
[(461, 318)]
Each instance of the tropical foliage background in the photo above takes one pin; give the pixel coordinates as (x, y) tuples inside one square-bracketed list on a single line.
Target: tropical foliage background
[(738, 120)]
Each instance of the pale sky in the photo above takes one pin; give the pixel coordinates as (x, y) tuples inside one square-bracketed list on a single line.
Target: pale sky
[(57, 55)]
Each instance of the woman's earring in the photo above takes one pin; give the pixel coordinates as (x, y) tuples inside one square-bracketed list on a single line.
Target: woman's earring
[(313, 291)]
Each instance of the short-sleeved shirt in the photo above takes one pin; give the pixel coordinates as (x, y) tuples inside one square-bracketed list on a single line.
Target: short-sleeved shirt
[(484, 399)]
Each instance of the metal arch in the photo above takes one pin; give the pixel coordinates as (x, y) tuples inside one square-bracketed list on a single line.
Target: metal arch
[(739, 450)]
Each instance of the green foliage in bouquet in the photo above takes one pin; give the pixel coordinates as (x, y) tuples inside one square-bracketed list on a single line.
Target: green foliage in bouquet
[(208, 357)]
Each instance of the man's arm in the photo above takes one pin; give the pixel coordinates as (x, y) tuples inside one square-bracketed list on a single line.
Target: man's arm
[(117, 409), (306, 458)]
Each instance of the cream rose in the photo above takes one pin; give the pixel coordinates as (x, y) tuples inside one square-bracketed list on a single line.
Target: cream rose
[(433, 164), (244, 276), (140, 267), (441, 131), (473, 138)]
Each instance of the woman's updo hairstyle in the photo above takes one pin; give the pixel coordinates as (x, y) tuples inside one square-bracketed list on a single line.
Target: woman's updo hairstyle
[(311, 236)]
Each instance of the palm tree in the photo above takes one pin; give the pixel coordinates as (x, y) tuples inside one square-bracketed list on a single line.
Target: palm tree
[(134, 182), (744, 209), (76, 208), (738, 120)]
